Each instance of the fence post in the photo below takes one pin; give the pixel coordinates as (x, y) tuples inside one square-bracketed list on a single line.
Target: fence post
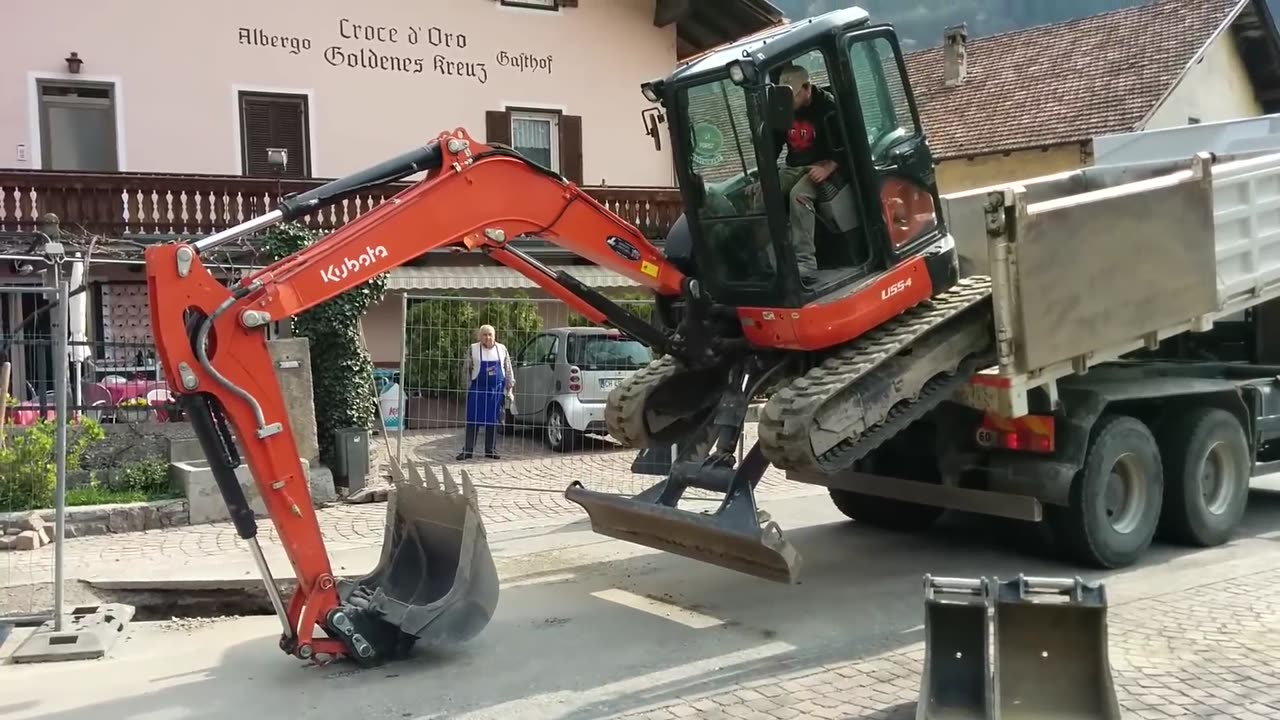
[(58, 325)]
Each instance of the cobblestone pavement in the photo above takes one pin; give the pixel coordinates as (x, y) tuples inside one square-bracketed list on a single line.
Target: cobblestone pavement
[(526, 484), (1208, 652)]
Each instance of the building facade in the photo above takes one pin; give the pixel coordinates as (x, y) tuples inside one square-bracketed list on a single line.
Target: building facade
[(147, 121)]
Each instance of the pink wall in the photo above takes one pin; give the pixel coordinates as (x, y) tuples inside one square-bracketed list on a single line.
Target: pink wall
[(178, 67)]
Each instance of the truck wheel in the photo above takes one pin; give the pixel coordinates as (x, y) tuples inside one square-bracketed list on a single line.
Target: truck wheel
[(1115, 498), (1206, 460)]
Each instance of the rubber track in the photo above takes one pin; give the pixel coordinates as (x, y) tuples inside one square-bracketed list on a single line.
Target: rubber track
[(788, 416), (624, 412)]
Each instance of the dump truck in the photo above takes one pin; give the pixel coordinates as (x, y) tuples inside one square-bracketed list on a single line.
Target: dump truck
[(1135, 393)]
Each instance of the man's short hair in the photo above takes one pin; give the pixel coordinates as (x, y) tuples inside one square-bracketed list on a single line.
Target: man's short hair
[(794, 70)]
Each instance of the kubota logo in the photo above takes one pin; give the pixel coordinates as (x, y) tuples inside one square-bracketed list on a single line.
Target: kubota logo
[(339, 272), (895, 288)]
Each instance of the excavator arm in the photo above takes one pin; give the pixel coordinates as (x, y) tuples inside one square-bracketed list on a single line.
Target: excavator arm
[(436, 580)]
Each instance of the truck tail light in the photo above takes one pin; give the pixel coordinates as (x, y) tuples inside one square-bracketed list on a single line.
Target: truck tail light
[(1030, 433), (575, 380)]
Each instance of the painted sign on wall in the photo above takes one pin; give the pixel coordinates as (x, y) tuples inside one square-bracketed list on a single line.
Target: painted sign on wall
[(409, 49)]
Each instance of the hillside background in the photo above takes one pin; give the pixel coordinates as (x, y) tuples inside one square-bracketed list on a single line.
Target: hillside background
[(920, 22)]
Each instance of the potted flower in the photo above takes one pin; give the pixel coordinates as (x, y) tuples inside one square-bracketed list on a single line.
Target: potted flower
[(134, 410)]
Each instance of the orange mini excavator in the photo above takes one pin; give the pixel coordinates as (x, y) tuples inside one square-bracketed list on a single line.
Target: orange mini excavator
[(846, 358)]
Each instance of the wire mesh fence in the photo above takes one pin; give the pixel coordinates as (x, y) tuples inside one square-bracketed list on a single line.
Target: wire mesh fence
[(33, 463), (538, 389)]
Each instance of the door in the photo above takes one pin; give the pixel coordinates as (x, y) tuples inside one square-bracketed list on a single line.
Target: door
[(903, 165), (534, 368), (78, 126)]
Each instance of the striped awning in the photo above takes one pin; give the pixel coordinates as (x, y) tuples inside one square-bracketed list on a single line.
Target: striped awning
[(492, 277)]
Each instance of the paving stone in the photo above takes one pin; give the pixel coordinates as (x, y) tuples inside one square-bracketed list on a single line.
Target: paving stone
[(1194, 674)]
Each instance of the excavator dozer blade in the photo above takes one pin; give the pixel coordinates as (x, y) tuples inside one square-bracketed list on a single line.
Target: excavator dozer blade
[(732, 537), (435, 580), (956, 682), (1051, 651)]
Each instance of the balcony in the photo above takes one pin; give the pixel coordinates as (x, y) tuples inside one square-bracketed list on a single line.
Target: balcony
[(155, 206)]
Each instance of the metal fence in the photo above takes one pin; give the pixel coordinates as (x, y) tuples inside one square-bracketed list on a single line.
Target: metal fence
[(563, 367), (109, 382), (33, 472)]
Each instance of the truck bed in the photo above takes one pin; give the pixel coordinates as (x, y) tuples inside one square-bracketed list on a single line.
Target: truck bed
[(1090, 265)]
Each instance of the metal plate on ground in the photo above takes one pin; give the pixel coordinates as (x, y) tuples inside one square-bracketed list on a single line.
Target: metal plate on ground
[(88, 633)]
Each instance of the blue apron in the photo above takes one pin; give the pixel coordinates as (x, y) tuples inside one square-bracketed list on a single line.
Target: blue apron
[(485, 396)]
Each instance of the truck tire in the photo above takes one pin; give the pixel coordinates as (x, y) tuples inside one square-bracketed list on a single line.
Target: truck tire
[(1115, 498), (1206, 460)]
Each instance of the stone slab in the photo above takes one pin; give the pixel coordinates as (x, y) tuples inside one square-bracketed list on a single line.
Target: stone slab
[(88, 633), (204, 500)]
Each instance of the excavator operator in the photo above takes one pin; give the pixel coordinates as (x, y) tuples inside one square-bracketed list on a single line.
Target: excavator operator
[(810, 161)]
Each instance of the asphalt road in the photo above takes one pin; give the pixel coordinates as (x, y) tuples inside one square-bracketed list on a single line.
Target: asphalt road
[(591, 628)]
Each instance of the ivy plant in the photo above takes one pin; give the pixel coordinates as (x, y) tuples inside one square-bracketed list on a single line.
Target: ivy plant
[(341, 368)]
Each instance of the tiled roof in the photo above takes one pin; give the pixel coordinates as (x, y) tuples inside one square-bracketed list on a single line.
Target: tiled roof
[(1062, 83)]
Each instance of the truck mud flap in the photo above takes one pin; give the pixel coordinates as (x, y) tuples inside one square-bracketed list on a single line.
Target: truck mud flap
[(732, 537), (956, 683), (1051, 651), (435, 579)]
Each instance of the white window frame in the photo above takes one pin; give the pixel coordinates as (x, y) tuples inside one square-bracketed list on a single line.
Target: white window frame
[(553, 122)]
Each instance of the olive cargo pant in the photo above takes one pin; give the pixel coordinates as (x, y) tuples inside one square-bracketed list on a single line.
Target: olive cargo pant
[(802, 193)]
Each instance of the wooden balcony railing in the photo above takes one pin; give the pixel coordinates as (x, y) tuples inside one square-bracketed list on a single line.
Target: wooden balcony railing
[(139, 204)]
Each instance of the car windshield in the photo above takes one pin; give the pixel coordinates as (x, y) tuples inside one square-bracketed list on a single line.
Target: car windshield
[(608, 352)]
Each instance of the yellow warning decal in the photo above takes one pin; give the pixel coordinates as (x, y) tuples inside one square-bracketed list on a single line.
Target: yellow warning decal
[(649, 269)]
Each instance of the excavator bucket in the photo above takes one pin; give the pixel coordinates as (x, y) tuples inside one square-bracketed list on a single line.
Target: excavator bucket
[(956, 682), (733, 536), (435, 580), (1051, 650)]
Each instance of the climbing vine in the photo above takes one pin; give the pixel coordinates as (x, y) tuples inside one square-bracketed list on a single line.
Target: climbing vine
[(341, 368)]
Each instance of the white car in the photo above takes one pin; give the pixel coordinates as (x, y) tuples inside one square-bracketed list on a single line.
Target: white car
[(563, 378)]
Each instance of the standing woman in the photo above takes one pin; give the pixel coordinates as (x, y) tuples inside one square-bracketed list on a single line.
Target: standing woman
[(488, 368)]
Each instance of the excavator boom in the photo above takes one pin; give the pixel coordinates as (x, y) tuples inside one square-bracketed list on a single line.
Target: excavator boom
[(436, 580)]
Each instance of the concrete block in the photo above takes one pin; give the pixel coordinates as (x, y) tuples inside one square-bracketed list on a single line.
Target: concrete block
[(88, 633), (204, 500), (322, 486)]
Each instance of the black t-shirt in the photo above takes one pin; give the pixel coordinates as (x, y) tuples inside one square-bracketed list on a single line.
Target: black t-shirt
[(807, 141)]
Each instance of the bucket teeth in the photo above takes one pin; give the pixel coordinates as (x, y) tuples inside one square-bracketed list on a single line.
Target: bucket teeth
[(449, 485)]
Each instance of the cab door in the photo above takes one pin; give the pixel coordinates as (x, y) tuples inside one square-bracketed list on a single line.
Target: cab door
[(535, 377), (903, 184)]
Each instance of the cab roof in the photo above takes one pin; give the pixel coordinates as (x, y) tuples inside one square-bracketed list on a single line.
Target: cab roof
[(765, 47)]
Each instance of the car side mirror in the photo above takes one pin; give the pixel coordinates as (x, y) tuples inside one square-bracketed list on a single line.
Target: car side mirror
[(780, 107)]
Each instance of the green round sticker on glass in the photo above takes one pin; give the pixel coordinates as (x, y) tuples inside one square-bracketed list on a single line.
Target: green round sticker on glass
[(707, 141)]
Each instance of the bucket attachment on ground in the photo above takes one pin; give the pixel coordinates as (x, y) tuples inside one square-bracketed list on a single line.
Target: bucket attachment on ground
[(956, 682), (1051, 651), (732, 537), (435, 580)]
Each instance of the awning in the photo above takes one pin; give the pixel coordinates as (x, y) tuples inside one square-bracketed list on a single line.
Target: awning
[(494, 277)]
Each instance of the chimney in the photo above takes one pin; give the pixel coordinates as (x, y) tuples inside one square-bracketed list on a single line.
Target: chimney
[(954, 40)]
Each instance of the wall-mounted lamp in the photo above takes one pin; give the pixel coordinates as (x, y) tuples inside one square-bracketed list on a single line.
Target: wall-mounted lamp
[(278, 159), (73, 63)]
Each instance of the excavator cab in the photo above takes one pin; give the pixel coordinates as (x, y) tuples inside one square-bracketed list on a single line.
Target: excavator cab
[(730, 114), (836, 87)]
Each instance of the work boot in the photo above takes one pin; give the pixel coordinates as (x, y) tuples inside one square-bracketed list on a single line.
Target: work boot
[(464, 455)]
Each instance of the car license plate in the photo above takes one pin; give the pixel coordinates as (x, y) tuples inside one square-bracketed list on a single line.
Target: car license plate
[(608, 383)]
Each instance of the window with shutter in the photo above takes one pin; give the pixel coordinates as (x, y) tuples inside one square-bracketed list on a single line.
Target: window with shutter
[(274, 130)]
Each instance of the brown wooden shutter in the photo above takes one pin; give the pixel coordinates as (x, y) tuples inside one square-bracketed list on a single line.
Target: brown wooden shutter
[(571, 147), (568, 3), (274, 121), (497, 127)]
